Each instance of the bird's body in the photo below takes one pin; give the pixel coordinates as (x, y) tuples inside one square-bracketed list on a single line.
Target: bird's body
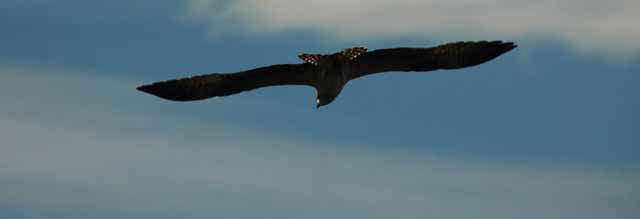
[(328, 74), (333, 72)]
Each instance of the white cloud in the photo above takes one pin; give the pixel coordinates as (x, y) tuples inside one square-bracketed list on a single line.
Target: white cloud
[(594, 26), (72, 152)]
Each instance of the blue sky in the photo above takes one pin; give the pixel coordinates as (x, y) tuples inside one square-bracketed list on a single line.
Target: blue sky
[(545, 131)]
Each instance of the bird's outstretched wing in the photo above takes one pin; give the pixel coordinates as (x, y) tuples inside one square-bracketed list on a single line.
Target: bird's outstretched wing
[(447, 56), (217, 84)]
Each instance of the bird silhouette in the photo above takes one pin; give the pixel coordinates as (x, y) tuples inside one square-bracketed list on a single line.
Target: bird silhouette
[(328, 74)]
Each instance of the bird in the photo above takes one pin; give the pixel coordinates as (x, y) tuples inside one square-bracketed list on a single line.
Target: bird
[(329, 73)]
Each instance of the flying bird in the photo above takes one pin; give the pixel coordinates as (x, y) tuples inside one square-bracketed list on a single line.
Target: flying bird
[(329, 73)]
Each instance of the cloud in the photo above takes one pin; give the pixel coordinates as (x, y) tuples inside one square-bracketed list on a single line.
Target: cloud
[(70, 151), (592, 26)]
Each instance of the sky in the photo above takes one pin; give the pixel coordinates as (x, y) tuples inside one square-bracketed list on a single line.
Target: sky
[(544, 131)]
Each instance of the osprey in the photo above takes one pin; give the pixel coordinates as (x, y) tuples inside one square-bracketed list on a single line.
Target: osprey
[(328, 74)]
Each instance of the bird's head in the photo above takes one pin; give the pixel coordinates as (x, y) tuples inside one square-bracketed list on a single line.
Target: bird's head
[(323, 99)]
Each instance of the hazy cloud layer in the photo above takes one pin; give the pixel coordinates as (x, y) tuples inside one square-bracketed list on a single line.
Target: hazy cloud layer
[(78, 147), (603, 26)]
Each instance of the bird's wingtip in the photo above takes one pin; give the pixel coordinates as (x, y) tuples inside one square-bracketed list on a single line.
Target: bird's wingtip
[(508, 46), (160, 90), (143, 88), (152, 90), (511, 44)]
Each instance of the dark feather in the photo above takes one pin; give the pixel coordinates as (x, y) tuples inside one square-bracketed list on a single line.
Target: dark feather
[(217, 84), (447, 56)]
